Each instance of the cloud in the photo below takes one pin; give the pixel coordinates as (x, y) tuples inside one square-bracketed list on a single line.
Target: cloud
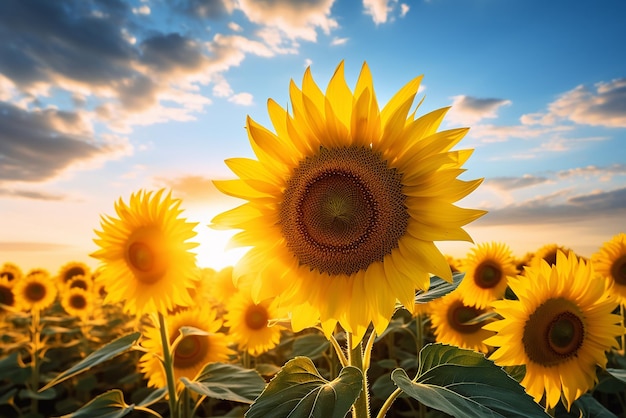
[(142, 10), (543, 209), (297, 20), (243, 99), (510, 183), (235, 27), (9, 246), (468, 110), (381, 10), (203, 9), (338, 41), (602, 105), (602, 173), (32, 194), (404, 9), (193, 189), (41, 144)]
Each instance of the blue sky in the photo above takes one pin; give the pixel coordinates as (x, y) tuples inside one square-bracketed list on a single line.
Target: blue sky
[(100, 98)]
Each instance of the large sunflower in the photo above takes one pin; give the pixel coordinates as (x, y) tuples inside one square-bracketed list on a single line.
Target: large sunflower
[(559, 329), (146, 257), (345, 201), (610, 263), (450, 317), (34, 292), (248, 322), (487, 268), (192, 353)]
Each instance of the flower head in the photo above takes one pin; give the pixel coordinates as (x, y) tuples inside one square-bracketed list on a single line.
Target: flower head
[(451, 320), (192, 352), (77, 302), (10, 272), (559, 329), (610, 263), (69, 270), (345, 201), (146, 256), (7, 298), (35, 292), (487, 268)]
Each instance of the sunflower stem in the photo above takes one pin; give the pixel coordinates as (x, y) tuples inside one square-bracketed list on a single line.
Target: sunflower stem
[(361, 408), (340, 355), (623, 336), (35, 363), (388, 402), (419, 344), (168, 365)]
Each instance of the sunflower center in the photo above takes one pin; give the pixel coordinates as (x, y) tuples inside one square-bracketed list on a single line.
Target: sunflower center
[(35, 292), (458, 316), (146, 254), (6, 296), (256, 317), (74, 271), (190, 351), (553, 332), (78, 302), (343, 209), (487, 275), (618, 270)]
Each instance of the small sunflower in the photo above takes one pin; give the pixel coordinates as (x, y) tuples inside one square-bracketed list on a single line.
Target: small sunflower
[(147, 262), (69, 270), (487, 268), (559, 329), (248, 322), (77, 302), (34, 292), (548, 254), (79, 281), (449, 316), (610, 263), (345, 202), (523, 261), (192, 353), (11, 272), (222, 286), (7, 298)]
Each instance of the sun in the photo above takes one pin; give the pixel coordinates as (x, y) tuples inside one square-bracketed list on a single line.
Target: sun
[(213, 251)]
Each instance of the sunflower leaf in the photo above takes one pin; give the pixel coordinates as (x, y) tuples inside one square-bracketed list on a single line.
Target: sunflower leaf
[(438, 288), (298, 390), (104, 353), (227, 382), (110, 404), (585, 406), (464, 383)]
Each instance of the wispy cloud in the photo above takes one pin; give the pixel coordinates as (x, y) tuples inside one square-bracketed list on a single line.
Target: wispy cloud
[(604, 104), (243, 99), (468, 110), (510, 183), (338, 41)]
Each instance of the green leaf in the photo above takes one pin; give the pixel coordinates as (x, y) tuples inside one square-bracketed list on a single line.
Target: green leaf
[(11, 369), (154, 397), (438, 288), (227, 382), (310, 345), (298, 390), (104, 353), (463, 383), (619, 374), (585, 406), (107, 405)]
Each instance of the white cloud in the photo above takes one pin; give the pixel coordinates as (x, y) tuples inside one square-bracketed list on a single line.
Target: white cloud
[(235, 27), (243, 99), (378, 9), (467, 110), (297, 20), (404, 9), (338, 41), (604, 105), (143, 10)]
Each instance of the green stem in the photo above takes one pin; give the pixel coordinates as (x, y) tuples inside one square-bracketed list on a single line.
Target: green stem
[(340, 355), (168, 365), (361, 408), (388, 402), (419, 344), (35, 363)]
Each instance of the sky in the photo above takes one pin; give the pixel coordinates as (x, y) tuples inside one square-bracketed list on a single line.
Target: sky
[(103, 98)]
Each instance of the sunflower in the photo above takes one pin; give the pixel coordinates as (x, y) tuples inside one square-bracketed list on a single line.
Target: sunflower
[(34, 292), (77, 302), (345, 201), (248, 322), (79, 281), (7, 298), (559, 329), (192, 353), (487, 268), (147, 262), (11, 272), (449, 316), (610, 263), (69, 270), (548, 254)]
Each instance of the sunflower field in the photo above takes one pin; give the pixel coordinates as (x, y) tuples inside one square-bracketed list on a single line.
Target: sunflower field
[(342, 306)]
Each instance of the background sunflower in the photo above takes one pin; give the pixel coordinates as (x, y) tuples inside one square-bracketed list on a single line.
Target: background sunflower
[(610, 262)]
